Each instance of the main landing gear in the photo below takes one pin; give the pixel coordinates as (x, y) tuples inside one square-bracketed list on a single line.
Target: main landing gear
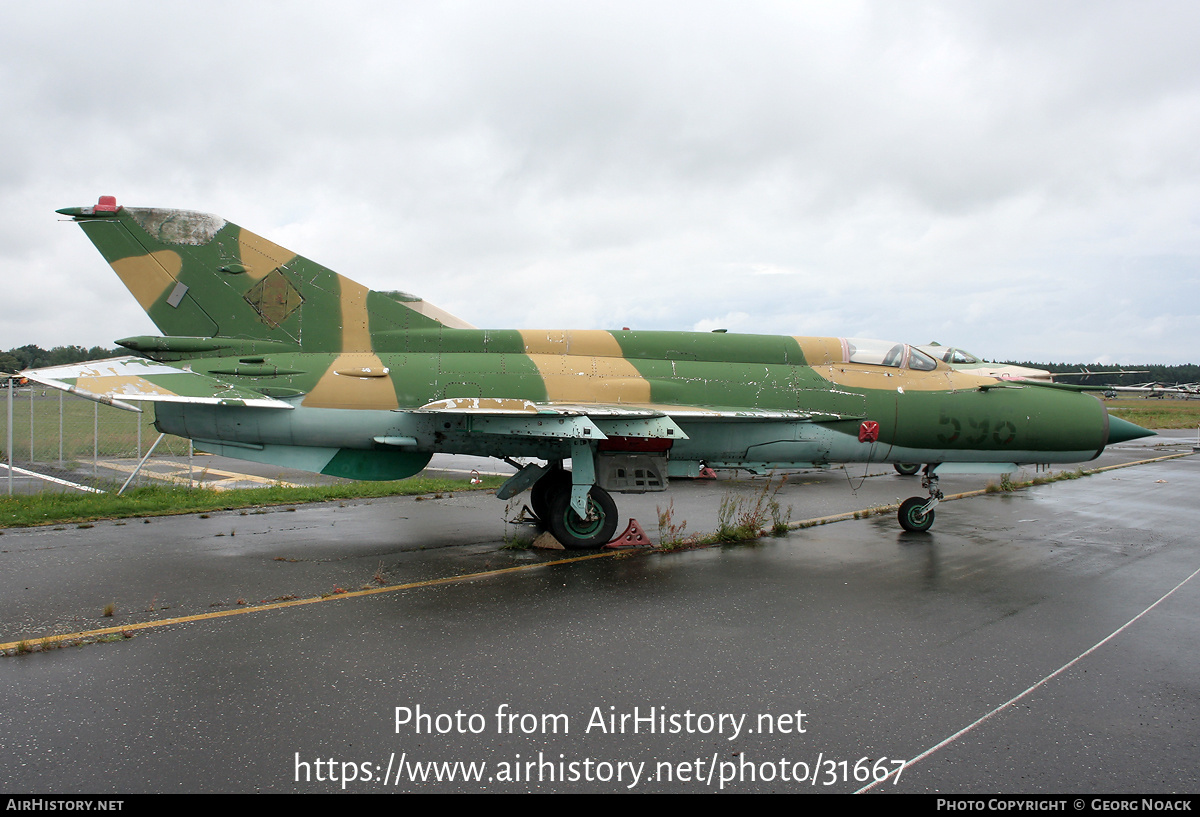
[(550, 498), (916, 513)]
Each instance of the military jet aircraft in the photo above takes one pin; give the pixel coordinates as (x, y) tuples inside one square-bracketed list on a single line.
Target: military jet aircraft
[(271, 357)]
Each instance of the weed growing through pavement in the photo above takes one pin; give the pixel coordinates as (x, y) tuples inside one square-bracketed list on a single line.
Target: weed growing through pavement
[(48, 643), (1007, 486), (739, 519), (671, 533)]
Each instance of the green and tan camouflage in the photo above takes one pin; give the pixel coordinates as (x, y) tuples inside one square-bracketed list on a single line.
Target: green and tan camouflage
[(271, 357)]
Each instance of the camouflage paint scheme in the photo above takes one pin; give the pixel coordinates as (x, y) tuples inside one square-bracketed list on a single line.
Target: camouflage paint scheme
[(269, 356), (963, 361)]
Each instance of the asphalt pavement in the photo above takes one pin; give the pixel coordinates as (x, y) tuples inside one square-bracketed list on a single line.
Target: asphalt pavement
[(1041, 641)]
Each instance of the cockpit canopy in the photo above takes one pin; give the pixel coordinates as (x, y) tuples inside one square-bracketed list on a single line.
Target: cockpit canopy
[(886, 353), (951, 354)]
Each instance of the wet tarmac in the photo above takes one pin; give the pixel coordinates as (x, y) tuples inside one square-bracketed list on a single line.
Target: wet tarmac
[(373, 646)]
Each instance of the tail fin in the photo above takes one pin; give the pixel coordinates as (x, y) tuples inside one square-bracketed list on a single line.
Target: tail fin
[(199, 276)]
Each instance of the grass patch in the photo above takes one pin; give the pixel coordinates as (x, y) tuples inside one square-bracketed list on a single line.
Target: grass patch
[(165, 500), (1154, 413)]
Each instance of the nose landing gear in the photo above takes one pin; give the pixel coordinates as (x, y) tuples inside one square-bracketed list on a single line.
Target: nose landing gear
[(916, 513)]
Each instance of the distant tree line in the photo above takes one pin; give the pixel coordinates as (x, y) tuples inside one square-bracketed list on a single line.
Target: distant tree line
[(1187, 373), (35, 357)]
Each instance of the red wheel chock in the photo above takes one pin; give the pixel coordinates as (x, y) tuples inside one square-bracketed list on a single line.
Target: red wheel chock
[(633, 537)]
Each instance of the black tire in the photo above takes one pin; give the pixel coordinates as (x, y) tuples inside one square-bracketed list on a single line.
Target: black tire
[(912, 519), (579, 534), (907, 469), (541, 495)]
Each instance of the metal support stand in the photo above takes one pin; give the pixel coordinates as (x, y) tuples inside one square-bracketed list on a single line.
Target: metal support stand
[(140, 464), (8, 446)]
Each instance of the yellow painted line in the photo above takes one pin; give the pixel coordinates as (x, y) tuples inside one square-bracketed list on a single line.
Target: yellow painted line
[(177, 476), (279, 605), (1139, 462)]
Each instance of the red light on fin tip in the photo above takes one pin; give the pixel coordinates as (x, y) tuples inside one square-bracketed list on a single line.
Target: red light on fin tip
[(106, 204)]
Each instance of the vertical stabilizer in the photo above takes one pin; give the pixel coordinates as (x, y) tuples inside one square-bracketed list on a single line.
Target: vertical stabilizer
[(198, 275)]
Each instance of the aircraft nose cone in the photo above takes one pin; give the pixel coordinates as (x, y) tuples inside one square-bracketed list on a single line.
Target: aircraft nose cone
[(1120, 431)]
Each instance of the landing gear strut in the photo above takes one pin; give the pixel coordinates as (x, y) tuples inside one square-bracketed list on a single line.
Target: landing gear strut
[(916, 514)]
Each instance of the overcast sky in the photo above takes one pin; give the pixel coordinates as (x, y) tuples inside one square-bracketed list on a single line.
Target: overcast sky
[(1018, 178)]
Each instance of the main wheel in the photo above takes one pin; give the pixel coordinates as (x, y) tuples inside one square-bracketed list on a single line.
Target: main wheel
[(541, 495), (913, 518), (907, 469), (577, 534)]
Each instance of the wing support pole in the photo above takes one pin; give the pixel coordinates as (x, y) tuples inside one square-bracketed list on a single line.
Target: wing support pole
[(140, 464)]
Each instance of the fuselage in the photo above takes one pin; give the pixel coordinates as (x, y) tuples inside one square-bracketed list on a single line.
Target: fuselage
[(804, 400)]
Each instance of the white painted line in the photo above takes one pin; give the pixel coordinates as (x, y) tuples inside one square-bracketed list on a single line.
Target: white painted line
[(1040, 683), (55, 480)]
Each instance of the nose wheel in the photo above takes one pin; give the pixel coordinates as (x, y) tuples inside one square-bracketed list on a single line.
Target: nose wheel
[(916, 513)]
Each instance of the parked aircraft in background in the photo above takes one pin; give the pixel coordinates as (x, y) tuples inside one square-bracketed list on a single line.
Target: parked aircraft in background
[(271, 357)]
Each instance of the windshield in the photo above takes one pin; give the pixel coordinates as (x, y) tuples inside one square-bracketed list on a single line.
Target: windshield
[(950, 354)]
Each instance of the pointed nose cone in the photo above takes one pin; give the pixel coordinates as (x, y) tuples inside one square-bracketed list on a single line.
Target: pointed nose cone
[(1120, 431)]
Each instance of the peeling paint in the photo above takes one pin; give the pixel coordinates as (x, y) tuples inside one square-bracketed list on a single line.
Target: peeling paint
[(177, 226)]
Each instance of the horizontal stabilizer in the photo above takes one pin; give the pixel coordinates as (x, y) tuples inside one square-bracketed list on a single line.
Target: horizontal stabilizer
[(135, 379)]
